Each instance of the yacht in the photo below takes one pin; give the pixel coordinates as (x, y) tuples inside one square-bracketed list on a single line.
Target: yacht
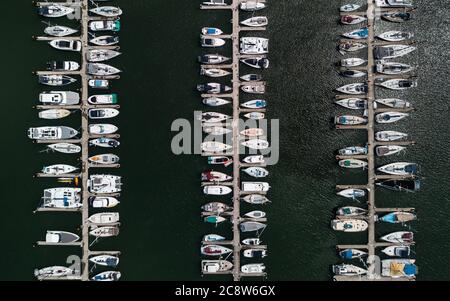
[(104, 142), (212, 42), (63, 66), (352, 19), (390, 117), (102, 113), (101, 55), (102, 129), (254, 45), (101, 69), (54, 114), (107, 11), (52, 133), (216, 190), (395, 36), (65, 148), (103, 202), (58, 169), (399, 268), (58, 237), (348, 270), (105, 25), (398, 84), (107, 231), (56, 80), (387, 136), (349, 225), (356, 88), (394, 103), (59, 31), (105, 260), (256, 144), (258, 63), (256, 199), (392, 68), (252, 5), (104, 218), (104, 159), (105, 40), (69, 45), (255, 186), (104, 184), (215, 266), (215, 101), (103, 99), (400, 168), (352, 103), (53, 272), (214, 72), (388, 150), (211, 31), (54, 10), (212, 59), (352, 193), (62, 198), (253, 268), (258, 21), (107, 276), (59, 98), (392, 51)]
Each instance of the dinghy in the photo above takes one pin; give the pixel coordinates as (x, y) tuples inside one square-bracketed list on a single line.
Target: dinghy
[(103, 99), (398, 84), (254, 253), (399, 168), (216, 207), (255, 214), (251, 241), (257, 159), (251, 226), (392, 51), (215, 250), (357, 88), (392, 68), (352, 19), (212, 238), (54, 10), (349, 225), (98, 83), (54, 114), (256, 144), (351, 254), (56, 80), (258, 63), (104, 142), (100, 69), (259, 21), (58, 169), (251, 77), (388, 150), (399, 268), (102, 129), (397, 251), (353, 150), (105, 260), (257, 172), (351, 211), (256, 199), (211, 31), (104, 183), (349, 7), (394, 103), (213, 88), (387, 136), (104, 218), (59, 31), (216, 130), (52, 133), (103, 202), (105, 25), (352, 193), (395, 36), (216, 190), (215, 266), (212, 59), (65, 148), (60, 237), (253, 268), (352, 62), (212, 42), (255, 115), (255, 187), (104, 159), (349, 120), (352, 163), (390, 117), (348, 270), (212, 219), (252, 132), (401, 185), (105, 40), (101, 55), (107, 276), (215, 176), (398, 217), (102, 113), (214, 72), (69, 45), (53, 272), (107, 11), (252, 6), (215, 101), (352, 103), (399, 237), (214, 147), (219, 160), (108, 231), (254, 104), (357, 34), (63, 66)]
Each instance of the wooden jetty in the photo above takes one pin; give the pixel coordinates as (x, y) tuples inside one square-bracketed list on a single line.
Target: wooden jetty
[(371, 144)]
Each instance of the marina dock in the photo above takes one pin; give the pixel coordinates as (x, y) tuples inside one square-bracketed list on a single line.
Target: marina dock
[(83, 141), (372, 176)]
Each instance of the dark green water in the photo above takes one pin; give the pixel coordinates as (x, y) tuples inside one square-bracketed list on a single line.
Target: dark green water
[(159, 207)]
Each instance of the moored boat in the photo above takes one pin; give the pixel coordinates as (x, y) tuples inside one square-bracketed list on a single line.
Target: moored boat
[(104, 142), (387, 150), (353, 150), (255, 115), (255, 214), (254, 104), (252, 132), (214, 250), (348, 270), (397, 251), (54, 10), (390, 117), (252, 5), (219, 160), (105, 260), (257, 172), (352, 62), (256, 159), (56, 80), (215, 176), (394, 103), (60, 237), (65, 148), (214, 72), (105, 40), (357, 88), (399, 168), (212, 238), (392, 51), (102, 129), (107, 11), (352, 19), (101, 55), (211, 31), (351, 211), (107, 231), (357, 34), (102, 113), (395, 36), (349, 120), (392, 68), (212, 59), (390, 136), (349, 7), (352, 193), (352, 163), (54, 114), (251, 226), (215, 101), (352, 103), (397, 17), (398, 217), (256, 199), (258, 63), (103, 202), (212, 42), (257, 21), (352, 254), (215, 266), (257, 144), (98, 83), (104, 159), (349, 225), (399, 237), (214, 219), (254, 253), (216, 207), (107, 276), (398, 84), (253, 268), (103, 99), (59, 31), (69, 45), (251, 241), (104, 218), (52, 133), (216, 190), (214, 147), (401, 185), (58, 169), (105, 25), (399, 268)]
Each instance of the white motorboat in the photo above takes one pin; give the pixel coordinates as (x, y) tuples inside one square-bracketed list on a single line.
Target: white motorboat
[(251, 77), (394, 103), (65, 148), (216, 130), (216, 190), (101, 55), (104, 183), (386, 136), (349, 225), (105, 40), (55, 10), (352, 103), (102, 69), (256, 144), (255, 186), (353, 150), (349, 120), (256, 159), (104, 142), (390, 117), (211, 31), (256, 199), (215, 3), (105, 260), (253, 268), (60, 237), (69, 45), (251, 241), (254, 104), (104, 159), (399, 168), (107, 231), (54, 114), (212, 59), (352, 19), (62, 198), (214, 72), (212, 237), (102, 129), (102, 113), (103, 202), (103, 99), (255, 214), (53, 272), (388, 150), (59, 31), (252, 5), (214, 147), (52, 133), (254, 253), (352, 62), (398, 84), (394, 3), (254, 89), (215, 101), (58, 169), (259, 21), (349, 8), (212, 117), (348, 270), (255, 115), (395, 36), (352, 193), (56, 80), (392, 68), (216, 207), (397, 251), (104, 218), (213, 88), (107, 11), (63, 66), (212, 42), (252, 132), (254, 45), (105, 25), (357, 88), (59, 98), (352, 163), (215, 266), (98, 83), (256, 171)]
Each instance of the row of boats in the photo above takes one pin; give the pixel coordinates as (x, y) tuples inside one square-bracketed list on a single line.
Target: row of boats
[(350, 219), (102, 188), (218, 183)]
